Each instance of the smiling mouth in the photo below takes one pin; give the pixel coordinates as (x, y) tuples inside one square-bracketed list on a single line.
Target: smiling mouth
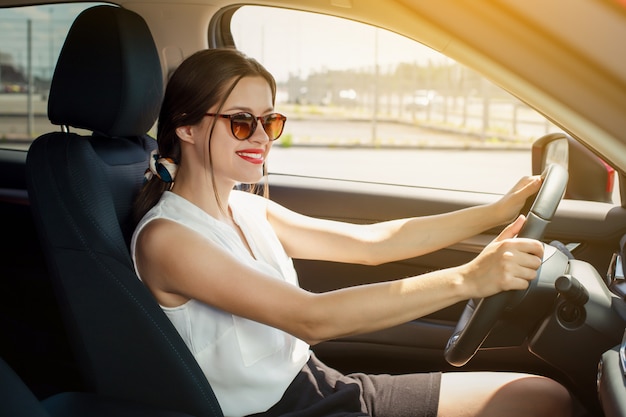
[(253, 157)]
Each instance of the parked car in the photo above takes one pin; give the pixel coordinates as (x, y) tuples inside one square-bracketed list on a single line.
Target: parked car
[(519, 93), (420, 101)]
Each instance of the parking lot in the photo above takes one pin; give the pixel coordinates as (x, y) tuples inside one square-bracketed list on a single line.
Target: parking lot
[(400, 153)]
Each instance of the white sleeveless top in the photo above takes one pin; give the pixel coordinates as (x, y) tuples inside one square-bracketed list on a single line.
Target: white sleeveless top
[(248, 364)]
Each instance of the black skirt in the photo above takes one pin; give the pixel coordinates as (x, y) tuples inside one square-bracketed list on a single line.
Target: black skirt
[(319, 390)]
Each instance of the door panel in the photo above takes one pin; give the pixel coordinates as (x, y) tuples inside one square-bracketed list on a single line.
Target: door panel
[(419, 345)]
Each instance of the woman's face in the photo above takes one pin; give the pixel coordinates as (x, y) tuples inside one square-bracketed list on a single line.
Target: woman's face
[(235, 160)]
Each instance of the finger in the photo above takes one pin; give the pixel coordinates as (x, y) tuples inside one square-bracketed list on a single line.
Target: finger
[(520, 269), (524, 274), (529, 246), (512, 229), (517, 277), (532, 186), (516, 283), (528, 182), (529, 261)]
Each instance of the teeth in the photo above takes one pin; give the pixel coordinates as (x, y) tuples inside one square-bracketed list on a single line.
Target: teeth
[(251, 155)]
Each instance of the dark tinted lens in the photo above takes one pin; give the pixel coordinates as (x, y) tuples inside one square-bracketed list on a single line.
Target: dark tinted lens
[(273, 125), (242, 125)]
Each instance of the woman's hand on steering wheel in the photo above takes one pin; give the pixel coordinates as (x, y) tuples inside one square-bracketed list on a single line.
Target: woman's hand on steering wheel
[(511, 203), (507, 263), (483, 311)]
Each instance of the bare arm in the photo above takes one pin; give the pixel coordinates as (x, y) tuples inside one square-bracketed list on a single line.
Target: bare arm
[(178, 264), (309, 238)]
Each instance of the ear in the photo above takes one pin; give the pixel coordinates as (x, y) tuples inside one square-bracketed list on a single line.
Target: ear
[(185, 133)]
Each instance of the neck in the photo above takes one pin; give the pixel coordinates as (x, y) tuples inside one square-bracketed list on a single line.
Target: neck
[(201, 192)]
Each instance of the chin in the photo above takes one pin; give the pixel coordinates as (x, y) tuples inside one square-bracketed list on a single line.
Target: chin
[(250, 179)]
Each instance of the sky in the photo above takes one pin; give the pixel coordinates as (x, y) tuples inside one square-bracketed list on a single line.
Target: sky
[(276, 37), (286, 42)]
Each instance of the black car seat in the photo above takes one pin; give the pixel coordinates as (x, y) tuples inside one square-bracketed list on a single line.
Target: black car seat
[(108, 81), (17, 400)]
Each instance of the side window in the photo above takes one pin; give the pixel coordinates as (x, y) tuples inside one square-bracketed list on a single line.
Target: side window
[(32, 38), (366, 104)]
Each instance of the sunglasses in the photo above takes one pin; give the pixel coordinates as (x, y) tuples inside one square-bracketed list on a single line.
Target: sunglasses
[(244, 124)]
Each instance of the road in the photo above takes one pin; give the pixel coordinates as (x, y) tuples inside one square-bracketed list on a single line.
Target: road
[(402, 154)]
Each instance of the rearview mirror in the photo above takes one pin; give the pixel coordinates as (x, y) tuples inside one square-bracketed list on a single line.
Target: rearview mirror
[(590, 178)]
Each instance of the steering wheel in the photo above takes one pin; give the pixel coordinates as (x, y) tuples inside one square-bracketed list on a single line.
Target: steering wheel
[(479, 318)]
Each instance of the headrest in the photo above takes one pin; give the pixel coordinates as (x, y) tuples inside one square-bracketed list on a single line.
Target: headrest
[(108, 77)]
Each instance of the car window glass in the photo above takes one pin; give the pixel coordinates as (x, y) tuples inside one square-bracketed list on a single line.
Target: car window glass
[(32, 38), (369, 105)]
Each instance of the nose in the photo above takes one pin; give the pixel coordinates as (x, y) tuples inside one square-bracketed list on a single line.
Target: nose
[(259, 135)]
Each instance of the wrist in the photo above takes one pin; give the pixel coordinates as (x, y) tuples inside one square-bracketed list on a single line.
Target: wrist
[(500, 213), (461, 281)]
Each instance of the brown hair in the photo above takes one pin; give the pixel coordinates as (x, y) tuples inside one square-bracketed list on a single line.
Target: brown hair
[(201, 81)]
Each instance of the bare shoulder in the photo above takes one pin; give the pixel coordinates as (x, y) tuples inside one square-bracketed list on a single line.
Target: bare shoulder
[(158, 258), (156, 231)]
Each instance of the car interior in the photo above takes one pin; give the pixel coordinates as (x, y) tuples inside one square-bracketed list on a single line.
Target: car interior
[(84, 337)]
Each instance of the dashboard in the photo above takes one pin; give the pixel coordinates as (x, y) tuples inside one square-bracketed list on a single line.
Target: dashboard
[(612, 382), (611, 379)]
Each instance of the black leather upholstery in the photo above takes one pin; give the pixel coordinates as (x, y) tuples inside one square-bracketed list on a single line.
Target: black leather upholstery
[(16, 400), (108, 80)]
